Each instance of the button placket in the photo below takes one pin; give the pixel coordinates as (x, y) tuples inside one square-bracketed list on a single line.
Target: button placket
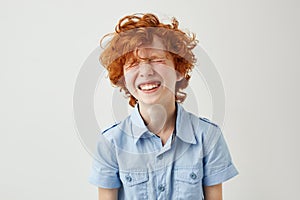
[(161, 188)]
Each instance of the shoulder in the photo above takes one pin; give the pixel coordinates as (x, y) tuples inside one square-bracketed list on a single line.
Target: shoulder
[(110, 128), (204, 126), (210, 128), (211, 134), (208, 122), (117, 126), (115, 132), (201, 122), (111, 132)]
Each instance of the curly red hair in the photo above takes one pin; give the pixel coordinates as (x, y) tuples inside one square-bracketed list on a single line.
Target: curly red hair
[(136, 30)]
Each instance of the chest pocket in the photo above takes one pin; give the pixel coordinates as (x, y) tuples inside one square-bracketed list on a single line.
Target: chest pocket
[(135, 184), (188, 183)]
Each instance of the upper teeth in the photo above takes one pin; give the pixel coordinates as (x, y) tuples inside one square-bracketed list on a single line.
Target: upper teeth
[(148, 86)]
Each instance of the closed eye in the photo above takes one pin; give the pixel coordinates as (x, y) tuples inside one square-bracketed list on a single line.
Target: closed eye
[(131, 65), (158, 60)]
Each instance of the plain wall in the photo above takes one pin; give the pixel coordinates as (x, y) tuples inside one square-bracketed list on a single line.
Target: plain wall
[(254, 45)]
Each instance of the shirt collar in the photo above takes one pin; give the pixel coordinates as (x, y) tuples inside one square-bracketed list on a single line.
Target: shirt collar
[(184, 126), (138, 126)]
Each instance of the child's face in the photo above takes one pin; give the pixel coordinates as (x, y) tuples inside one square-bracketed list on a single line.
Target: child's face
[(152, 78)]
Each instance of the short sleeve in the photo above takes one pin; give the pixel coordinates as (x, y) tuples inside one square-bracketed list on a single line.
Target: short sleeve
[(217, 162), (105, 171)]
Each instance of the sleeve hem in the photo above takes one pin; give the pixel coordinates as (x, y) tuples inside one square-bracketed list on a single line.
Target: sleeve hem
[(220, 177), (105, 183)]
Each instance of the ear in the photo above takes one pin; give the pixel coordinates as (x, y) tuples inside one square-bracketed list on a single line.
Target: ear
[(121, 81), (179, 76)]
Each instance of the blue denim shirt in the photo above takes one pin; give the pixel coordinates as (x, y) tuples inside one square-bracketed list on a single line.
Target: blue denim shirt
[(131, 158)]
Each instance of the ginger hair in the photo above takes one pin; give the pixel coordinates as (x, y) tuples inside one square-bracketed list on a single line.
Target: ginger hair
[(136, 30)]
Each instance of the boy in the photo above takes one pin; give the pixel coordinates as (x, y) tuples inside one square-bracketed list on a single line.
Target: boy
[(160, 151)]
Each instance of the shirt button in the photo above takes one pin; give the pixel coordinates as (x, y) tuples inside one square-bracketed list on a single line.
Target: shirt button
[(193, 176), (128, 178), (161, 188)]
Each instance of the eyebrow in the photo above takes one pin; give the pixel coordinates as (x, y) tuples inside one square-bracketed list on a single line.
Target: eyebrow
[(151, 53)]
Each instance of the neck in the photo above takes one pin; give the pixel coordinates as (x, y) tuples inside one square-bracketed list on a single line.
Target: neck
[(160, 119)]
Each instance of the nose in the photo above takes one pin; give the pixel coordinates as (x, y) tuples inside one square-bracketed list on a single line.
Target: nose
[(145, 69)]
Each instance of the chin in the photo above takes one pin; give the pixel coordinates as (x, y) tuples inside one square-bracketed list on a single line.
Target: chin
[(149, 101)]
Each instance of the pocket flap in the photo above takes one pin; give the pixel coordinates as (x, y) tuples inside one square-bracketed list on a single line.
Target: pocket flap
[(134, 178), (191, 175)]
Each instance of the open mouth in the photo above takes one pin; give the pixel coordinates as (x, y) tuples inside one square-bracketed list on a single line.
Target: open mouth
[(149, 86)]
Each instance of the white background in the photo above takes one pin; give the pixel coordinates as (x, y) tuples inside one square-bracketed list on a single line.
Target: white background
[(254, 45)]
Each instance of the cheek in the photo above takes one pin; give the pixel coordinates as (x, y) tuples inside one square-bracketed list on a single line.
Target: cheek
[(129, 80), (169, 74)]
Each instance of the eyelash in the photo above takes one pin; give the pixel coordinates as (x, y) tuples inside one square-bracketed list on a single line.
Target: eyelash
[(155, 60), (158, 60)]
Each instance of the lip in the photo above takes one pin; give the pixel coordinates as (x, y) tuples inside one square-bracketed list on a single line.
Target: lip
[(149, 83)]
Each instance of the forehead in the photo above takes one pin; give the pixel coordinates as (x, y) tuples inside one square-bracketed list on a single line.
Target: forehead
[(149, 52), (156, 47), (157, 43)]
